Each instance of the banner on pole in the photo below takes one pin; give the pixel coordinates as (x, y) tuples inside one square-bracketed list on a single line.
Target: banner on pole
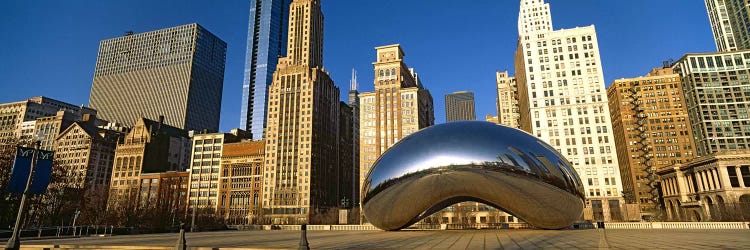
[(21, 167), (42, 172)]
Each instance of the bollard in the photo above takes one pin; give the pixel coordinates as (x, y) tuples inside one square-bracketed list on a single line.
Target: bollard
[(181, 244), (303, 245)]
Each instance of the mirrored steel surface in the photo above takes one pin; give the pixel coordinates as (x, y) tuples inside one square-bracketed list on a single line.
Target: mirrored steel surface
[(472, 161)]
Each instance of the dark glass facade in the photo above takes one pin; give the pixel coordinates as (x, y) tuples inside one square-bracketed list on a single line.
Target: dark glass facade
[(266, 42)]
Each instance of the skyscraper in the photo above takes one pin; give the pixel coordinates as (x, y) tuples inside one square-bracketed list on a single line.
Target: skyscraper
[(354, 104), (717, 94), (398, 107), (302, 137), (507, 99), (266, 42), (562, 100), (176, 72), (729, 23), (459, 106), (651, 131)]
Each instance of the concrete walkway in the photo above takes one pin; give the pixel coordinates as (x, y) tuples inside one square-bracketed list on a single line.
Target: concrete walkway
[(461, 239)]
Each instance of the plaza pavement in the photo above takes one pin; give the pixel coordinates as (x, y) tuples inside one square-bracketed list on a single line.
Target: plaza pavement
[(459, 239)]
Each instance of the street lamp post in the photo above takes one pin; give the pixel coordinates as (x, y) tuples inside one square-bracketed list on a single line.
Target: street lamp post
[(14, 243), (75, 217)]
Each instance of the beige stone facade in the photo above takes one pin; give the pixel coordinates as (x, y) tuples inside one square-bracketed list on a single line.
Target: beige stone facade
[(302, 127), (149, 147), (398, 107), (507, 99), (49, 128), (14, 114), (241, 182), (562, 101), (89, 152), (710, 188), (651, 131)]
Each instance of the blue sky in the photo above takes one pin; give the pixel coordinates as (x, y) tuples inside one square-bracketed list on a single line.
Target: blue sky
[(49, 47)]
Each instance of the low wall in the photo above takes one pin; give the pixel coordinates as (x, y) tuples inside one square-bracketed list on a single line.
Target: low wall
[(607, 225), (676, 225)]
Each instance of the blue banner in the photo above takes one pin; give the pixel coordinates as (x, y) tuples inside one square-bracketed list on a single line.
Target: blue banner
[(42, 172), (20, 172)]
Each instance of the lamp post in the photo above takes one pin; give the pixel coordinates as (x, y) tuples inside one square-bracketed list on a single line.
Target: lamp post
[(75, 217), (14, 243)]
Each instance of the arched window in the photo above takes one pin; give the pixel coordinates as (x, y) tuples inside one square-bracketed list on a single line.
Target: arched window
[(393, 72), (387, 73), (381, 72)]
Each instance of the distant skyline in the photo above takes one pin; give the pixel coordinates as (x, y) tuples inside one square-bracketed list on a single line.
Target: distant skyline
[(50, 47)]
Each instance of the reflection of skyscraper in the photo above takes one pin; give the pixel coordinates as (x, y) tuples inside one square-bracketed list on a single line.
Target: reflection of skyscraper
[(459, 106), (266, 42), (562, 101), (176, 73), (302, 133), (398, 107)]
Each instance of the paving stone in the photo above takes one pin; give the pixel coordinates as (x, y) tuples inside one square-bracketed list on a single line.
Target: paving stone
[(438, 239)]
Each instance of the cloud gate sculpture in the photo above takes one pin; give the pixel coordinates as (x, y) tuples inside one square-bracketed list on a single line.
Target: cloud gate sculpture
[(472, 161)]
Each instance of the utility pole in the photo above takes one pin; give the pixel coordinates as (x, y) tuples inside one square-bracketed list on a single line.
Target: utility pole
[(14, 243)]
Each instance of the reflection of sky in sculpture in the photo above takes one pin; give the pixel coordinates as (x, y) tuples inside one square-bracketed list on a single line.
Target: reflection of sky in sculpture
[(480, 161)]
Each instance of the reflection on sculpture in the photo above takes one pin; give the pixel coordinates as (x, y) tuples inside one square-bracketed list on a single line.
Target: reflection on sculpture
[(472, 161)]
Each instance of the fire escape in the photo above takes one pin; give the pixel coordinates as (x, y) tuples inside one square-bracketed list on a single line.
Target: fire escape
[(642, 148)]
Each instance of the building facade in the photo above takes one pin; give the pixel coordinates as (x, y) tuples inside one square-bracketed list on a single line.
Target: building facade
[(562, 100), (302, 127), (717, 94), (266, 42), (49, 127), (149, 147), (729, 24), (492, 119), (176, 72), (715, 187), (507, 99), (163, 194), (88, 152), (13, 115), (398, 107), (651, 131), (459, 106), (205, 168), (354, 104), (241, 182)]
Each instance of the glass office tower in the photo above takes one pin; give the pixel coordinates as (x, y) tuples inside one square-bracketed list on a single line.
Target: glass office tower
[(266, 42)]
